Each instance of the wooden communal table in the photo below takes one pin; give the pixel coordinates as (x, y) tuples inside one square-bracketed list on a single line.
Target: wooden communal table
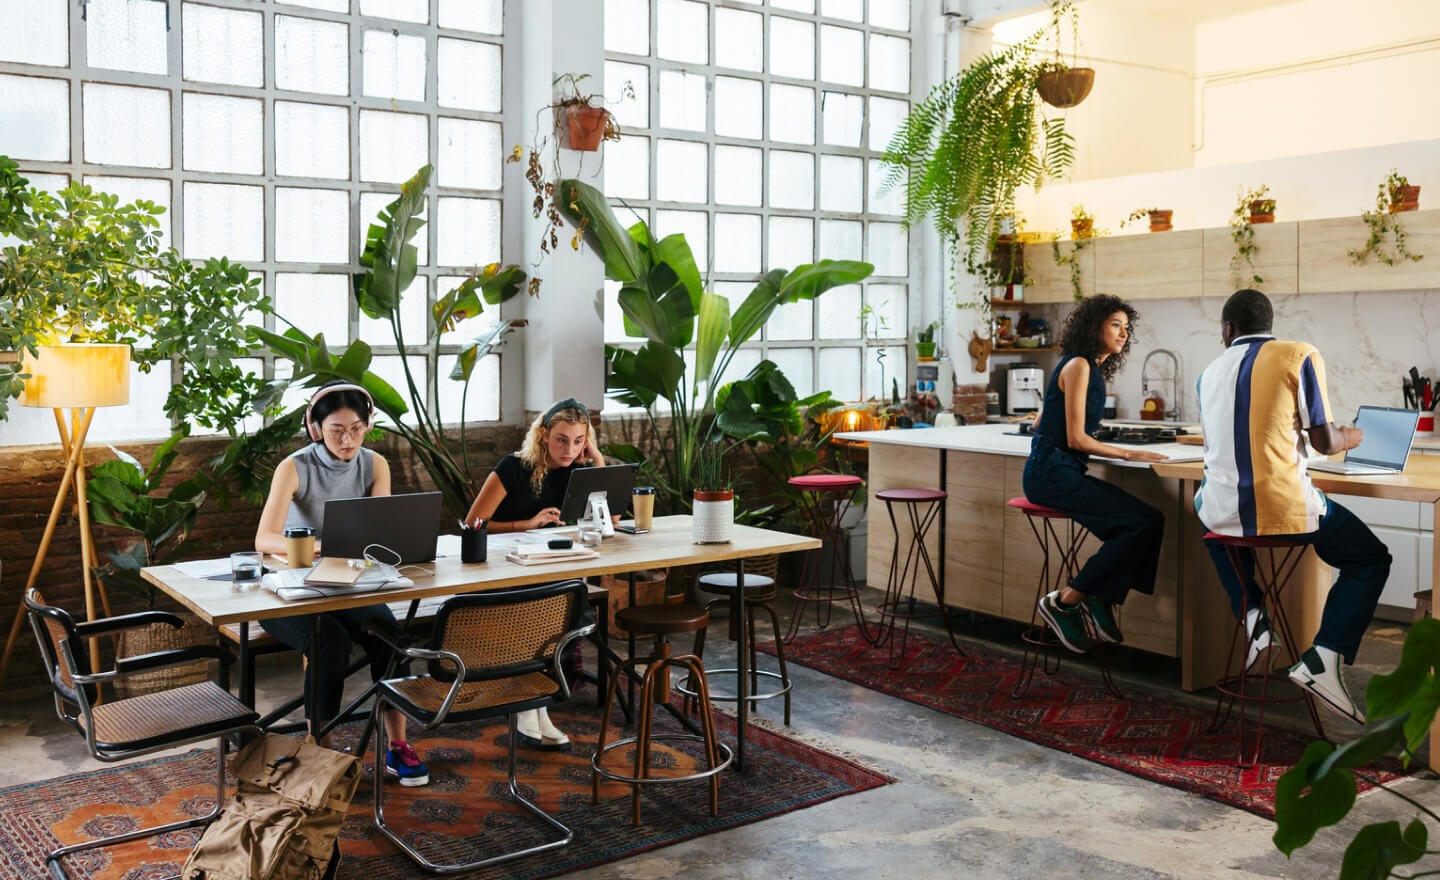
[(668, 543), (1420, 482)]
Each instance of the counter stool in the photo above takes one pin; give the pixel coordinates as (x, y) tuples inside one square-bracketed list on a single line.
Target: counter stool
[(1042, 647), (759, 596), (660, 621), (922, 507), (815, 491), (1273, 571)]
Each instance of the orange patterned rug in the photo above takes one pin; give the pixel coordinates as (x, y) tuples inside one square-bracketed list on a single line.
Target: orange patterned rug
[(461, 815)]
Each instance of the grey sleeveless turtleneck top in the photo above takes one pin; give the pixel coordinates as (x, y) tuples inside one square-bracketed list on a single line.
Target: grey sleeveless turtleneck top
[(324, 477)]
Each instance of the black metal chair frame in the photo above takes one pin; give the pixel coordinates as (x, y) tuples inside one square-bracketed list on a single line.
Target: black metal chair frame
[(76, 703)]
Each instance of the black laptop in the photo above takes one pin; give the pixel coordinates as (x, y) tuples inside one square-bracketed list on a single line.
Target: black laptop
[(405, 525)]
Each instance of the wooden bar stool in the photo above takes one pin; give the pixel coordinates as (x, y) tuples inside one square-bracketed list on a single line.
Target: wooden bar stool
[(660, 621), (817, 491), (1273, 571), (1042, 647), (922, 509), (759, 596)]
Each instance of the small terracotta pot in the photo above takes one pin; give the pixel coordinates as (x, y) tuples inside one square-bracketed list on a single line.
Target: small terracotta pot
[(1404, 198), (1262, 211), (1082, 228), (1160, 220), (585, 126)]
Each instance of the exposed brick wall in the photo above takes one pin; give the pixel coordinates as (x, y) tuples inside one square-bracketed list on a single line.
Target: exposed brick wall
[(30, 477), (969, 404)]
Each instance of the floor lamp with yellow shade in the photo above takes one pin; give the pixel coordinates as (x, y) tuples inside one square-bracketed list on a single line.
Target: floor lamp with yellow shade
[(78, 377)]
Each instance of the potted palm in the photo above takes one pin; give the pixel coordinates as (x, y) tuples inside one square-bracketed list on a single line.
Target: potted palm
[(713, 514)]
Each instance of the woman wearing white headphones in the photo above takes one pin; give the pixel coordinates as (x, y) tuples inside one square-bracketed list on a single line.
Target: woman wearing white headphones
[(334, 465)]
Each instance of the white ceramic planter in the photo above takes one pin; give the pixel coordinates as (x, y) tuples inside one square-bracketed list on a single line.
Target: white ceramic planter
[(713, 517)]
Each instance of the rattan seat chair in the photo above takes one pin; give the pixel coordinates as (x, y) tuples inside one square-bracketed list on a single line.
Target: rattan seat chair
[(120, 729), (490, 654)]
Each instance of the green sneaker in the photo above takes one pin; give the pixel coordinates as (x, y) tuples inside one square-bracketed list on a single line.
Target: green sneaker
[(1068, 623), (1102, 617)]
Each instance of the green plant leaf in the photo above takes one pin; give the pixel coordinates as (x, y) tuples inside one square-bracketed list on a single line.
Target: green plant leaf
[(476, 349), (1305, 803), (779, 287), (667, 320), (660, 369), (714, 326), (589, 211), (673, 251), (1379, 848), (1411, 689)]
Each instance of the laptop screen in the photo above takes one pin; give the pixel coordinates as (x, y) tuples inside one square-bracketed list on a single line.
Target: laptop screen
[(1388, 434)]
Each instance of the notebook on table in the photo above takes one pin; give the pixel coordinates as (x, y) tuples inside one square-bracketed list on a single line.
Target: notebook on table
[(1389, 432)]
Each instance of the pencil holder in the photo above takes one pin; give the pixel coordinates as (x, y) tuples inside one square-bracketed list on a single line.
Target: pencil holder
[(473, 543)]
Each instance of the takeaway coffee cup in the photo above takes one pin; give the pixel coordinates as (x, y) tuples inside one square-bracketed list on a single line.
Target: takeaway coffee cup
[(300, 546), (642, 502), (474, 544)]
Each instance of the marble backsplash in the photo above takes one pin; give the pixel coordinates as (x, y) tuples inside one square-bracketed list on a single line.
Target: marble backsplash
[(1369, 342)]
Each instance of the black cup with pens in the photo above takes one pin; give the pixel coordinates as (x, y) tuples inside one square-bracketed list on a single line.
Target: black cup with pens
[(473, 542)]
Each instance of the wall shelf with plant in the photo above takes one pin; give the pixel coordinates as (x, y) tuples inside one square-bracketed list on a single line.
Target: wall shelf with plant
[(976, 138), (1159, 218), (1393, 196), (1252, 207)]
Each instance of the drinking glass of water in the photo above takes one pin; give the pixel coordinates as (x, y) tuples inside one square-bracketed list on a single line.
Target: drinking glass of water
[(245, 570)]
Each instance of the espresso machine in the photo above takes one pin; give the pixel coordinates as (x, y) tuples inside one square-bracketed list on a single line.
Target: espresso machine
[(1024, 388)]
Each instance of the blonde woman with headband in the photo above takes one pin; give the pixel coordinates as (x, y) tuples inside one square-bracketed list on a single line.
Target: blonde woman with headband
[(335, 464), (525, 491)]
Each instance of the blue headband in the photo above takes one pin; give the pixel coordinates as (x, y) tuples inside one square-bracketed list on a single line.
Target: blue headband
[(567, 403)]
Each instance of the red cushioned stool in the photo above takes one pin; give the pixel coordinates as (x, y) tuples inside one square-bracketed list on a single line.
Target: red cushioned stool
[(922, 509), (826, 498), (1273, 571), (1042, 647)]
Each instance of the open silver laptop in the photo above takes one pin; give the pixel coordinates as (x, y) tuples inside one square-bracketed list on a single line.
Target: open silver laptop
[(1389, 431)]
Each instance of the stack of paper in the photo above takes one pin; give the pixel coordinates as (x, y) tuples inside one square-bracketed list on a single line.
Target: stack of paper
[(538, 554)]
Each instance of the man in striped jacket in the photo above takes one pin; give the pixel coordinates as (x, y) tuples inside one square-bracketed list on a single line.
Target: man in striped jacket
[(1260, 402)]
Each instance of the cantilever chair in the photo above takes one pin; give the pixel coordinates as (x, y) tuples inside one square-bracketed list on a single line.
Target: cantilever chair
[(120, 729), (490, 655)]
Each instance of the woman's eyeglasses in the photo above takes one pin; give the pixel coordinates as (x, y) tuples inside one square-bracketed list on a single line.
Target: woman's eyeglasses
[(356, 433)]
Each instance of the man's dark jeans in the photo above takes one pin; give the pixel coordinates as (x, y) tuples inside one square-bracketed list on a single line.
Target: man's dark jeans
[(1343, 542)]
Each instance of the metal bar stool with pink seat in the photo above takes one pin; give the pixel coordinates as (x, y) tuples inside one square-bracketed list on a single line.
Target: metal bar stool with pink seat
[(922, 509), (826, 498), (1272, 576), (1042, 648)]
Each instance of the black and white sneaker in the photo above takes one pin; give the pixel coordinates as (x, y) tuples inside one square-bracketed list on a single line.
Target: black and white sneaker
[(1318, 672), (1264, 642)]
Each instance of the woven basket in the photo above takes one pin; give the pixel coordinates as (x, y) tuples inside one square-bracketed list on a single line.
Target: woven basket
[(1065, 87), (159, 637), (649, 590)]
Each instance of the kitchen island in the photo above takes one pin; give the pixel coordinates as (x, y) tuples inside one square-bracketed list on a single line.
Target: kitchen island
[(991, 561)]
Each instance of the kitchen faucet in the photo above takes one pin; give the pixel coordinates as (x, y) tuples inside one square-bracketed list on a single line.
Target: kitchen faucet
[(1173, 414)]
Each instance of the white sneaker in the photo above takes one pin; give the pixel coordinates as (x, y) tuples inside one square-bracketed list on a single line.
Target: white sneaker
[(535, 731), (1319, 673), (1265, 645)]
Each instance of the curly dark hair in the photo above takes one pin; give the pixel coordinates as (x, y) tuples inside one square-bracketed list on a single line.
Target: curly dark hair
[(1081, 335)]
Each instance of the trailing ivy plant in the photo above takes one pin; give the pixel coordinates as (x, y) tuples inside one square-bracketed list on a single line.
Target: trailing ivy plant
[(83, 267), (1072, 260), (1382, 225), (1242, 232), (973, 141)]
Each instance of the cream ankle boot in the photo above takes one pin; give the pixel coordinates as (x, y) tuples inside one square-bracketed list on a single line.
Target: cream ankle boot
[(531, 726)]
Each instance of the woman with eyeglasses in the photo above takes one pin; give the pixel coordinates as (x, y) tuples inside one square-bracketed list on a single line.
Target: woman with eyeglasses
[(525, 491), (335, 464)]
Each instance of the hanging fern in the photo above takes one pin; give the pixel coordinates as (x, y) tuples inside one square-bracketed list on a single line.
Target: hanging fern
[(976, 138)]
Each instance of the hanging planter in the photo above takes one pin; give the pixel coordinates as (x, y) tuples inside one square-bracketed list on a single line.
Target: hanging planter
[(1065, 86), (713, 517), (585, 126)]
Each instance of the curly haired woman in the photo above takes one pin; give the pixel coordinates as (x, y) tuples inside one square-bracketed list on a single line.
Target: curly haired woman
[(1094, 344)]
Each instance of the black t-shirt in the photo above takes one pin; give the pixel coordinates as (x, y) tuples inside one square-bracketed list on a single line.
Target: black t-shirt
[(520, 501)]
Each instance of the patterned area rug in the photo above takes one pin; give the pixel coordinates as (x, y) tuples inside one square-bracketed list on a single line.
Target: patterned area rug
[(1162, 740), (460, 816)]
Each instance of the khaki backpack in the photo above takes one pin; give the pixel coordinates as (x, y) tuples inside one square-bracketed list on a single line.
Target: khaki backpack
[(283, 820)]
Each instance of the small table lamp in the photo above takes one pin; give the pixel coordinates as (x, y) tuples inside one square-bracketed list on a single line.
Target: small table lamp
[(78, 377)]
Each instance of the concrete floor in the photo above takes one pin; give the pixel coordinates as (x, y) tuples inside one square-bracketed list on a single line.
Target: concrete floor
[(971, 802)]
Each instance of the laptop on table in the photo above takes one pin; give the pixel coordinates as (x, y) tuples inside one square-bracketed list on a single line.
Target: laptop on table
[(1389, 432), (404, 525)]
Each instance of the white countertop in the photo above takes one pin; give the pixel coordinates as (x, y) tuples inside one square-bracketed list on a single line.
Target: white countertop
[(999, 439)]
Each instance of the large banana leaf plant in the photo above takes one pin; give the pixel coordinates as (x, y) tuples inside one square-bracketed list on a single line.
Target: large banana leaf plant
[(390, 261), (666, 304)]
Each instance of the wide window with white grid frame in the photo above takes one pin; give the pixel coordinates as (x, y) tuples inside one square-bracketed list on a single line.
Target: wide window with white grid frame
[(273, 133), (756, 130)]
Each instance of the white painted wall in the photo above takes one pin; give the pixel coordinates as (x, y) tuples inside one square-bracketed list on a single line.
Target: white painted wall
[(1317, 75)]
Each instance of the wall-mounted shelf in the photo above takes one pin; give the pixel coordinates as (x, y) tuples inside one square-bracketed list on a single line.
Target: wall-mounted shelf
[(1308, 256)]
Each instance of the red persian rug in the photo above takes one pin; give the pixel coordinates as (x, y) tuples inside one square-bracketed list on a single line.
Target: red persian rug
[(461, 815), (1162, 740)]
